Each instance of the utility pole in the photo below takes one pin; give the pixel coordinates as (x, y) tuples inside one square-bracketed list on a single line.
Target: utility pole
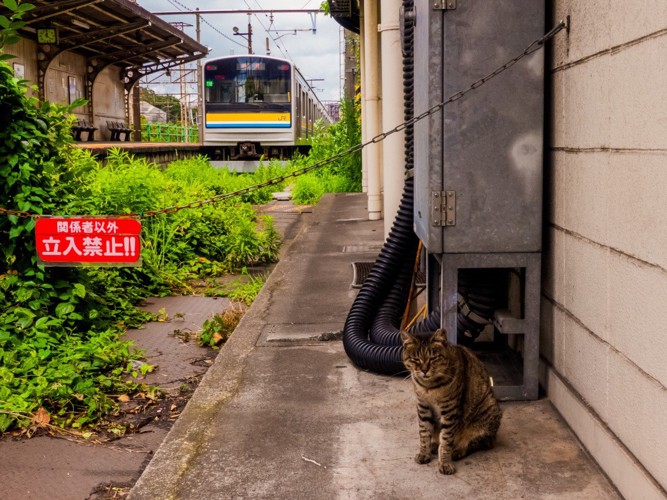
[(350, 64), (200, 79), (184, 102), (247, 35)]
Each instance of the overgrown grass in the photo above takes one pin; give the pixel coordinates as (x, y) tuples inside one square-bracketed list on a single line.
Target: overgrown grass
[(60, 328), (341, 176), (61, 353), (217, 330)]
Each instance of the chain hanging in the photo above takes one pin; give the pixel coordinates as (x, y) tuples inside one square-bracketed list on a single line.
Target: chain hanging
[(533, 47)]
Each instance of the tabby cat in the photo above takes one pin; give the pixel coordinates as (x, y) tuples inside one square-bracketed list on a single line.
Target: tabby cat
[(457, 411)]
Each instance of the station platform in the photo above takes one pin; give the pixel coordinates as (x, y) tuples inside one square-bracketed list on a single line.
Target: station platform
[(161, 153), (283, 413)]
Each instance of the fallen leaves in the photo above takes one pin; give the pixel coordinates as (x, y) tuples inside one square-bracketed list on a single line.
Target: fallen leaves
[(41, 418)]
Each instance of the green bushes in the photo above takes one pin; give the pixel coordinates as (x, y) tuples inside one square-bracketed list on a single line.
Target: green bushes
[(343, 175), (60, 328)]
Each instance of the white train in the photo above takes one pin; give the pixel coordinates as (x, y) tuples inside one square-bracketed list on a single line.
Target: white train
[(257, 106)]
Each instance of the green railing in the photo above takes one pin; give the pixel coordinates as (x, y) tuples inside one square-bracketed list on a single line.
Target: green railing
[(168, 132)]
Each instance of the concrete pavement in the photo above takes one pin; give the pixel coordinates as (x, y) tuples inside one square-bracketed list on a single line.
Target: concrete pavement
[(283, 413)]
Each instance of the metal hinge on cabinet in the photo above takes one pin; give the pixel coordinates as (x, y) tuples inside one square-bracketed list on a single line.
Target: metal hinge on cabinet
[(444, 4), (443, 208)]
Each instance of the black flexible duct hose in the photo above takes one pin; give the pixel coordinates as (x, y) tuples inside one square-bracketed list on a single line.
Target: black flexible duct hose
[(428, 326), (385, 328), (398, 253), (408, 49), (399, 248)]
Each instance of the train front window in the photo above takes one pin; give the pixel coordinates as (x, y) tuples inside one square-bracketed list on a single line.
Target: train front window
[(247, 80)]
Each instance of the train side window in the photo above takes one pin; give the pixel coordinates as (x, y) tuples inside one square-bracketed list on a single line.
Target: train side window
[(305, 106)]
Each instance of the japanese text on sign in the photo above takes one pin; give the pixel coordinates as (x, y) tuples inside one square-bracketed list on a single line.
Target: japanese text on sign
[(85, 240)]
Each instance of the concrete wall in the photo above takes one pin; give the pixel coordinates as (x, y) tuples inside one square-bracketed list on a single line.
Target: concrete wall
[(65, 81), (25, 52), (604, 337), (109, 98)]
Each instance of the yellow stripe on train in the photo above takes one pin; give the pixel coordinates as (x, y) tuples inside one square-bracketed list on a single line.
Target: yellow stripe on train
[(224, 120)]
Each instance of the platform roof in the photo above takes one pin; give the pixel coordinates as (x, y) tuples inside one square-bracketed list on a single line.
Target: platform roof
[(116, 32)]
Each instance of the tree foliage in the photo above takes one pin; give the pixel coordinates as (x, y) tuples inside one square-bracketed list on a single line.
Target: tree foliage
[(167, 103)]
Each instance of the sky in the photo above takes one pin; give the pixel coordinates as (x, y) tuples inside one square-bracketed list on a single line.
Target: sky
[(315, 55)]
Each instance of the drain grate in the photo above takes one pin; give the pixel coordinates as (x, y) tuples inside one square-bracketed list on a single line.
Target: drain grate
[(360, 272)]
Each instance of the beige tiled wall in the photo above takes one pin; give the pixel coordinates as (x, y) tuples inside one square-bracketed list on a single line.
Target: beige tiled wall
[(604, 332)]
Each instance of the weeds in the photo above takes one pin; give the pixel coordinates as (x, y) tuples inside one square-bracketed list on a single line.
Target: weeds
[(343, 175), (216, 331), (247, 287), (61, 328), (61, 353)]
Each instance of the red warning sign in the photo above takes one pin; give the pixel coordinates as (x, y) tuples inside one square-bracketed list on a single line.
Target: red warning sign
[(88, 240)]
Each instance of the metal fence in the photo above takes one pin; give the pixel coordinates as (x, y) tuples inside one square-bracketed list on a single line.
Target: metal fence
[(168, 132)]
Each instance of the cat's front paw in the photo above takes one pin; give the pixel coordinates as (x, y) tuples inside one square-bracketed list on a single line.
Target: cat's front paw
[(423, 457), (447, 468)]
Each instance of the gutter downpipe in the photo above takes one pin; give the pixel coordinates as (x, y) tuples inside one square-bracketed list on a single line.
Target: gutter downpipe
[(371, 97), (393, 154), (364, 112)]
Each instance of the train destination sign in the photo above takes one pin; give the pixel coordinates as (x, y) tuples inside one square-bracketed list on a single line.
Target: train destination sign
[(76, 241)]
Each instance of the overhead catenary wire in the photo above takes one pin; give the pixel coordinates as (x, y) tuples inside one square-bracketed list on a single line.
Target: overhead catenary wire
[(285, 52), (178, 4), (534, 46)]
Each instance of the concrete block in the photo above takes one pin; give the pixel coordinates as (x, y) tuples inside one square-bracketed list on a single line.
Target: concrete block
[(584, 282), (587, 98), (637, 298), (637, 83), (584, 362), (637, 409), (589, 29), (553, 272), (581, 98), (636, 215), (586, 277), (581, 187), (551, 333), (632, 20), (631, 479), (615, 199), (597, 25)]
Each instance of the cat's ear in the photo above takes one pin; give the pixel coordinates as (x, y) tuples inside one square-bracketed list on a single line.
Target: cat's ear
[(440, 335), (406, 337)]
